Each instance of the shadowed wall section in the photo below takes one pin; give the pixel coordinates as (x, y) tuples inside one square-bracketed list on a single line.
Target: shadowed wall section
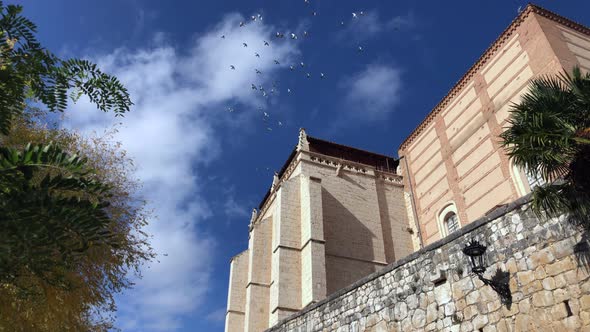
[(333, 215)]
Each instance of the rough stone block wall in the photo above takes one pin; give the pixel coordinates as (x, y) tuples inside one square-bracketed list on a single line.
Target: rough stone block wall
[(434, 290)]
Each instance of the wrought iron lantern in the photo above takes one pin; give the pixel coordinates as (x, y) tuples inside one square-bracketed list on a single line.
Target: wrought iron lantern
[(500, 282), (474, 250)]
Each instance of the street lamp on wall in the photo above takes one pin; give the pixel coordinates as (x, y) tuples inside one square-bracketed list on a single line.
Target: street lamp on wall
[(500, 282)]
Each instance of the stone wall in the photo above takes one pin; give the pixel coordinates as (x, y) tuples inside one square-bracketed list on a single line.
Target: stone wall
[(434, 289)]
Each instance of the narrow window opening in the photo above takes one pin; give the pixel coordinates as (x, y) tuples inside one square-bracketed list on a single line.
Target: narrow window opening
[(451, 222), (448, 220), (568, 309)]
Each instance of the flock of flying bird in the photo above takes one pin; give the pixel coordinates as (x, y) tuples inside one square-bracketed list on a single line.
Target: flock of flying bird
[(274, 88)]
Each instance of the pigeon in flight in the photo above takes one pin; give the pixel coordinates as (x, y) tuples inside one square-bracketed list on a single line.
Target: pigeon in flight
[(229, 109), (245, 45), (305, 34), (342, 23), (257, 55), (360, 48), (279, 35), (277, 62), (266, 43), (302, 64), (232, 67), (242, 24), (266, 115), (354, 15), (308, 75), (258, 71), (253, 18), (306, 1), (322, 75), (280, 123), (222, 36), (292, 67), (289, 90), (314, 14), (293, 36), (254, 87)]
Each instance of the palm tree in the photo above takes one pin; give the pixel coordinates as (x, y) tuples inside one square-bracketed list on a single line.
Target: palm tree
[(549, 137)]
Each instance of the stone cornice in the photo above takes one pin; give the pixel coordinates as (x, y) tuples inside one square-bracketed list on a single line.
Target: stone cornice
[(284, 309), (358, 259), (235, 312), (253, 283), (489, 52), (320, 159), (282, 246), (387, 177)]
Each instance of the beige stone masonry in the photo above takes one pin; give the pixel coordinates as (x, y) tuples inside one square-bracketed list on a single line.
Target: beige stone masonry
[(313, 258), (259, 276), (236, 297), (325, 223), (286, 252)]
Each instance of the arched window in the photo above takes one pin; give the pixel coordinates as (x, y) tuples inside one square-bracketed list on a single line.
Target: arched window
[(448, 220), (517, 175), (532, 181), (451, 222)]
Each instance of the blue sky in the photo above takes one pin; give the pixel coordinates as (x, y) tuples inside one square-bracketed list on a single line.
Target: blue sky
[(204, 168)]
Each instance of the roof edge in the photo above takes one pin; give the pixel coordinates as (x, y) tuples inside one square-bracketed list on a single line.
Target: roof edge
[(353, 148), (460, 84), (289, 160)]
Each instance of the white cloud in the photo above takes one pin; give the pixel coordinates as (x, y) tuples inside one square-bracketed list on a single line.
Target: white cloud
[(233, 209), (370, 25), (170, 132), (372, 93), (217, 316)]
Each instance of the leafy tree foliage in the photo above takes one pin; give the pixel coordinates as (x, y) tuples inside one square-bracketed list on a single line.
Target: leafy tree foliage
[(28, 70), (74, 291), (70, 223), (549, 137)]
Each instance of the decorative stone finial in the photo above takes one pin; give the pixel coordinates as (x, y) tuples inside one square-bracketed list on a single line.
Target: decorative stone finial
[(303, 144), (254, 215), (275, 181), (338, 169)]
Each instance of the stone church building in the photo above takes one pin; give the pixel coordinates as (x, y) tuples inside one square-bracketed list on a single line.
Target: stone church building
[(335, 214)]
